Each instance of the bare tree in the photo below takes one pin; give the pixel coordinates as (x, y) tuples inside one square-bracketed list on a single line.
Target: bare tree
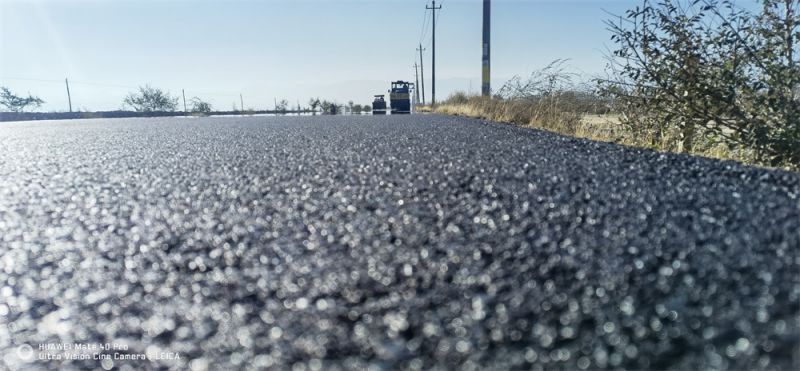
[(15, 103), (200, 106)]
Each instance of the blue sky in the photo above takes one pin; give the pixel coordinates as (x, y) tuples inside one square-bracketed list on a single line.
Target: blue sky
[(335, 49)]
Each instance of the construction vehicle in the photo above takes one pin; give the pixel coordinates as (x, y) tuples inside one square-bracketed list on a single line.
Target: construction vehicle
[(400, 97), (379, 105)]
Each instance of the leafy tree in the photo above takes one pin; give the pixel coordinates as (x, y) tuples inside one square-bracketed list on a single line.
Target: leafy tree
[(330, 108), (357, 108), (326, 106), (149, 99), (367, 108), (200, 106), (704, 71), (15, 103), (283, 105), (314, 103)]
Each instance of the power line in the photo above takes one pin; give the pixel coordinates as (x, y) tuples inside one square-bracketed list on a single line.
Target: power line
[(104, 84), (439, 20), (218, 94), (424, 29), (26, 79), (73, 82)]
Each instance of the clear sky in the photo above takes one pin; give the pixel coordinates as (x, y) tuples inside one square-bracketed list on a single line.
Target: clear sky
[(335, 49)]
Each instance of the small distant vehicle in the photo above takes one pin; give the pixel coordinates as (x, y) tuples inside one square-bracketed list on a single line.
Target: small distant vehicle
[(400, 97), (379, 105)]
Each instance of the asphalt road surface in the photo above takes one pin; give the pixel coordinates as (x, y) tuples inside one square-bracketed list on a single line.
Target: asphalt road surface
[(411, 242)]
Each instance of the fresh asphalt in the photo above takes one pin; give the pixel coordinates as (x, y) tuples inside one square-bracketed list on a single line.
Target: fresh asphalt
[(411, 242)]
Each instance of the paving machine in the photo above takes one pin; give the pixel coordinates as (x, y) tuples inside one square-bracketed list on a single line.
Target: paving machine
[(379, 105), (400, 97)]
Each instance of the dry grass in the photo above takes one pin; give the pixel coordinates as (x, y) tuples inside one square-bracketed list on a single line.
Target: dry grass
[(547, 115), (423, 109), (552, 117)]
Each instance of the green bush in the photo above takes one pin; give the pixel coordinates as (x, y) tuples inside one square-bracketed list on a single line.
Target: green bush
[(706, 73)]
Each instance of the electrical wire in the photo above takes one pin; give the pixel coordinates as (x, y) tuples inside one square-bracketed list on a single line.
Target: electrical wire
[(438, 18), (90, 83), (425, 24)]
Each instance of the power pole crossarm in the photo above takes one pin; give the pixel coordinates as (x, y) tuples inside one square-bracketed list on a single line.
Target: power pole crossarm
[(433, 9)]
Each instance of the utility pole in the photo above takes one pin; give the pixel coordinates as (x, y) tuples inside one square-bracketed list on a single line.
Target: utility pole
[(422, 72), (416, 84), (183, 92), (69, 97), (486, 88), (241, 101), (433, 9)]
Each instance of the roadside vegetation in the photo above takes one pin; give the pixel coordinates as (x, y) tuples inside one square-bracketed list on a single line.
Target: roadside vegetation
[(702, 77), (200, 107), (150, 99), (16, 103), (327, 107), (549, 98)]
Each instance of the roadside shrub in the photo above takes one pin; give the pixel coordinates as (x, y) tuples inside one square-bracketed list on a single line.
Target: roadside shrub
[(458, 97), (149, 99), (708, 73), (550, 98), (200, 106)]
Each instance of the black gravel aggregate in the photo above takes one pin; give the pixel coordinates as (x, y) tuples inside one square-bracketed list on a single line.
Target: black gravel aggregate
[(396, 242)]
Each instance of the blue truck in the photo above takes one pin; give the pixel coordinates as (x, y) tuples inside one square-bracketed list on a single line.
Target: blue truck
[(400, 97)]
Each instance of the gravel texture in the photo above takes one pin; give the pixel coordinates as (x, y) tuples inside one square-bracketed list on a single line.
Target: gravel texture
[(412, 242)]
